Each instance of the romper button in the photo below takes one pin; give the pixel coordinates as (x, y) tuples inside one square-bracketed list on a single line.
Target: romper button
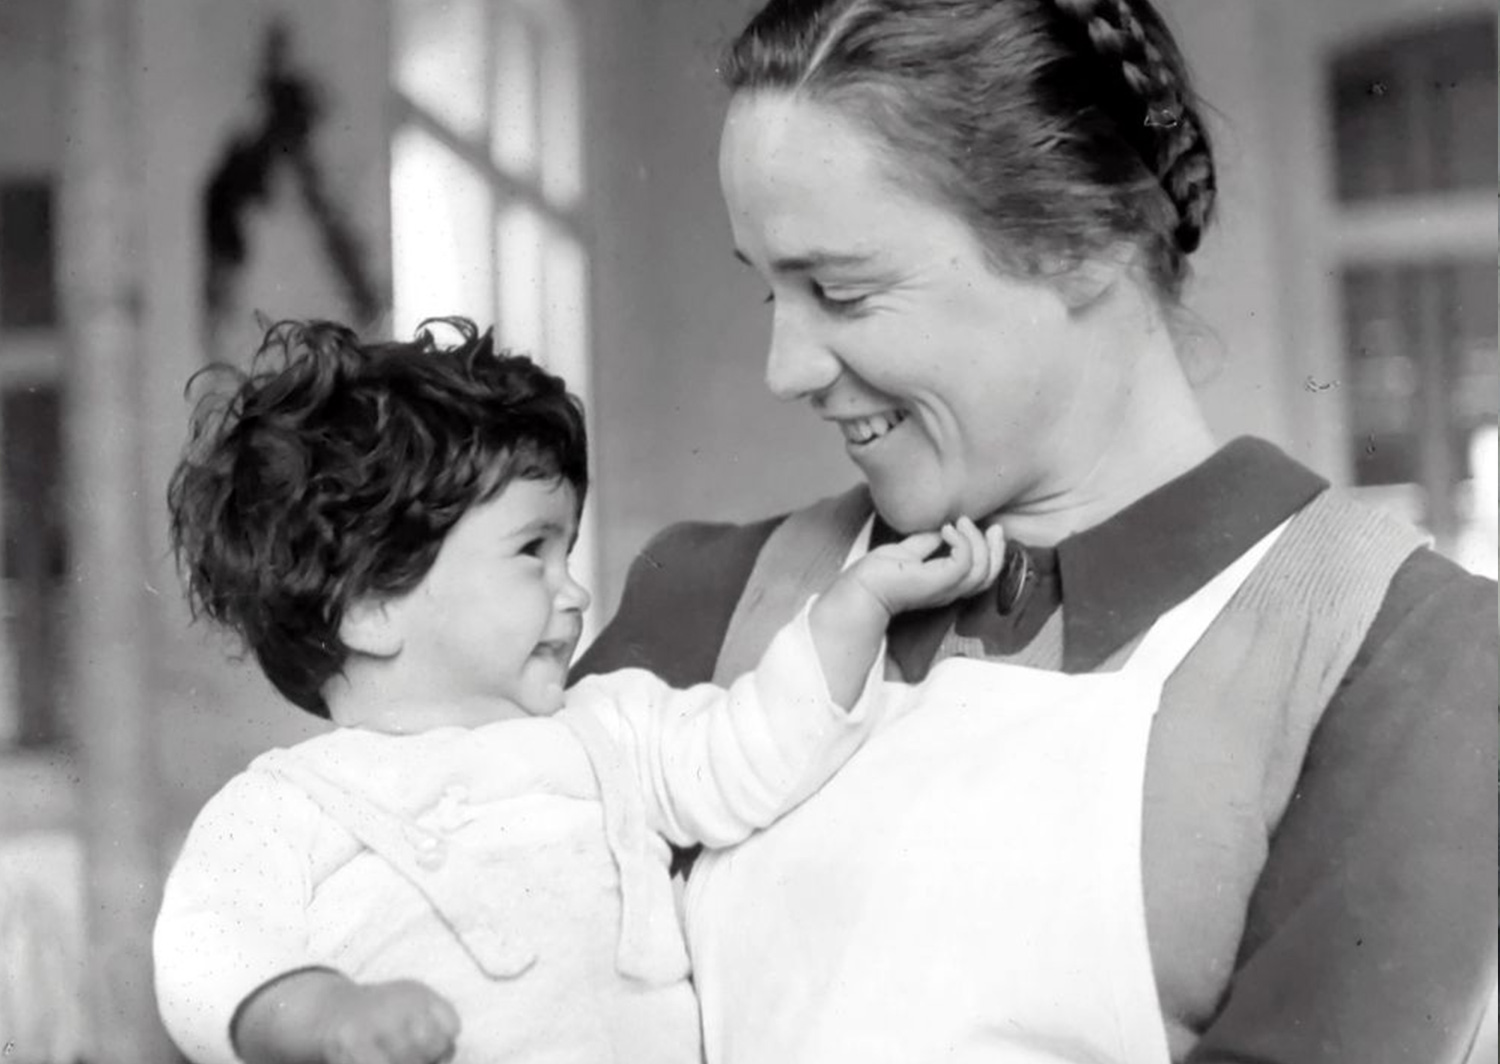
[(431, 852)]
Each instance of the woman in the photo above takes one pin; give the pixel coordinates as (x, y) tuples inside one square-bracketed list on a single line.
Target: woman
[(1209, 774)]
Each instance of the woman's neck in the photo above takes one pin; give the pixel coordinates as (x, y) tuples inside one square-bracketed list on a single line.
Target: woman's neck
[(1151, 433)]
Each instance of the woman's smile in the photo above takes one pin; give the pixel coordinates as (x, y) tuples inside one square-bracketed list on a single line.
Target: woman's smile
[(863, 432)]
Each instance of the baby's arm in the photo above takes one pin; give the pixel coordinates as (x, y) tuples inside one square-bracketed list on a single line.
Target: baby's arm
[(714, 764), (234, 978), (849, 620)]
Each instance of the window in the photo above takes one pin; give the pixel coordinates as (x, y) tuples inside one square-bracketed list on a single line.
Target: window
[(487, 181), (33, 549), (1415, 122)]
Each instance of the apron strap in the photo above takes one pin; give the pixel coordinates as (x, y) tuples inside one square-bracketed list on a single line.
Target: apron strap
[(803, 555), (650, 948), (1168, 641), (447, 876)]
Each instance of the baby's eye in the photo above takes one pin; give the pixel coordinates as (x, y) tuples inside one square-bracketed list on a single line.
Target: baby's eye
[(532, 548)]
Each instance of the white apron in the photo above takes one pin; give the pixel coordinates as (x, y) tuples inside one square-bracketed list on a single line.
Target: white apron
[(967, 888)]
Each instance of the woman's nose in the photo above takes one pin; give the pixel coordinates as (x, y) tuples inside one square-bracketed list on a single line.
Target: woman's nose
[(798, 364)]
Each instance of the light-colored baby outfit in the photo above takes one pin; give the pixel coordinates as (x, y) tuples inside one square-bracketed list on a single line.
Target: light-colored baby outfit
[(521, 868)]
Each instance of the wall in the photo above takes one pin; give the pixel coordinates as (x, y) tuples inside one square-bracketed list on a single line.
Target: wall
[(686, 427), (1234, 294)]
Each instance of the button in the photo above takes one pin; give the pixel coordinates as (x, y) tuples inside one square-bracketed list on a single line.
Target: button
[(452, 810), (1013, 586), (432, 851)]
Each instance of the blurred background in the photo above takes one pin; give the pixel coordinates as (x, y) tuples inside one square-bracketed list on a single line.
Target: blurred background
[(171, 171)]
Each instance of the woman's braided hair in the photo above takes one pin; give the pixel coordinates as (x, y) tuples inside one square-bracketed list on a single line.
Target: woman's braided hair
[(1058, 128), (1172, 140)]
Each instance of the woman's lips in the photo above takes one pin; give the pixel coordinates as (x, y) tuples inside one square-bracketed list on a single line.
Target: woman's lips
[(862, 431)]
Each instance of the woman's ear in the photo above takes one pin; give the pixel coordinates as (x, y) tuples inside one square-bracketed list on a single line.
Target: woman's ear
[(1085, 283), (372, 626)]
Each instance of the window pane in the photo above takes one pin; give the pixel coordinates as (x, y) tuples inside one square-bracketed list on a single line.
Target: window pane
[(1425, 386), (566, 312), (562, 111), (440, 234), (1371, 151), (440, 59), (28, 290), (1462, 108), (1475, 374), (1417, 114), (519, 235), (1477, 544), (35, 563), (515, 138), (1384, 377)]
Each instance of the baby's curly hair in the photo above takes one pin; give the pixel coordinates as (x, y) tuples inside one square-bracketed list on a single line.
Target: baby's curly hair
[(334, 469)]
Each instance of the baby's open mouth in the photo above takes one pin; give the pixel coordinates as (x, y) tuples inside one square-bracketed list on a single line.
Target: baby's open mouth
[(556, 649)]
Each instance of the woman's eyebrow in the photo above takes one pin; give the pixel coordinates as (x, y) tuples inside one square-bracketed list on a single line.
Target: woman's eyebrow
[(811, 260)]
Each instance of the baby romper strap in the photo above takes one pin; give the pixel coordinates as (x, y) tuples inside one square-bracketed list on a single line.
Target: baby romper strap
[(651, 946), (447, 875), (801, 558)]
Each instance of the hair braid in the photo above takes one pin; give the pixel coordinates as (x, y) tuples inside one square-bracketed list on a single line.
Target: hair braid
[(1164, 127)]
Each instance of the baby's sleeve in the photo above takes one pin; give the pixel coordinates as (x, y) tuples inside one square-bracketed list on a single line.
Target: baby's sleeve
[(233, 914), (714, 764)]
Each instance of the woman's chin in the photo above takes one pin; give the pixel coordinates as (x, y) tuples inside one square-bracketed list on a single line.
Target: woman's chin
[(906, 511)]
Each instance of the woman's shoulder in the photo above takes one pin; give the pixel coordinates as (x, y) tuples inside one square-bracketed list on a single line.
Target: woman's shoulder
[(1436, 618), (680, 593), (1426, 601)]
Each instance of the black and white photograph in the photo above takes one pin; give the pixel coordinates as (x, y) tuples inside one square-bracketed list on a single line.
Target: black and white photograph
[(749, 531)]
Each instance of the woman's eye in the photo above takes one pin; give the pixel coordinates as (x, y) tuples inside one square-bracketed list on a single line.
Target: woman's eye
[(836, 304)]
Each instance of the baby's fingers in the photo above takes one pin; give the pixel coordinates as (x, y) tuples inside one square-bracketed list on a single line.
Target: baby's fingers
[(994, 541), (916, 547), (971, 547)]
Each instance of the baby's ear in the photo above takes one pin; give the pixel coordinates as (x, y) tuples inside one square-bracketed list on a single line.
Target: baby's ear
[(371, 626)]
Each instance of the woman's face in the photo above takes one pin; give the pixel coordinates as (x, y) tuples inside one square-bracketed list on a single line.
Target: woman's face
[(957, 390)]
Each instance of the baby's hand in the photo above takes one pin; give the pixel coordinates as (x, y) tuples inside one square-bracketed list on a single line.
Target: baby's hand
[(849, 620), (402, 1022), (908, 575)]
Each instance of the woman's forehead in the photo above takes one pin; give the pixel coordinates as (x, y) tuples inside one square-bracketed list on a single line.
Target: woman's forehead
[(802, 180)]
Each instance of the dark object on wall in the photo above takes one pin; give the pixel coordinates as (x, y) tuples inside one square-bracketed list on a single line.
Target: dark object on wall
[(290, 113)]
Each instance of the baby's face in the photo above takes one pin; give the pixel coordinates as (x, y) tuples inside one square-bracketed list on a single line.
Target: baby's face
[(490, 630)]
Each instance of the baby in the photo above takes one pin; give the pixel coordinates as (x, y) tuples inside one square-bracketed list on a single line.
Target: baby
[(473, 864)]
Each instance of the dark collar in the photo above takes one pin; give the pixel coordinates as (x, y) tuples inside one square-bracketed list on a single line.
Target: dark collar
[(1119, 576)]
